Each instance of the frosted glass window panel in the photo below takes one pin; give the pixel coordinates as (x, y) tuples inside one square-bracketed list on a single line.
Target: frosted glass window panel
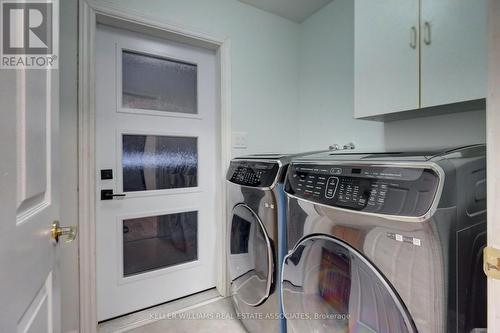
[(156, 242), (155, 162), (161, 84)]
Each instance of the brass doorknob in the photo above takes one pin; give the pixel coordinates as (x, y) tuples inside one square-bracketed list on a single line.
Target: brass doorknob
[(491, 262), (57, 231)]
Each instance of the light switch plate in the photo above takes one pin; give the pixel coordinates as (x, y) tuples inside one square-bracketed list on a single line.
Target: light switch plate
[(240, 140)]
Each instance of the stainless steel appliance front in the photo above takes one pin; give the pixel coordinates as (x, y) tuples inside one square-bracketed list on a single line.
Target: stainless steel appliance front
[(253, 238), (410, 261)]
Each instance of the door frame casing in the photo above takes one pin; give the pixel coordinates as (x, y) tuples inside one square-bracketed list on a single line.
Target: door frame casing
[(90, 14), (493, 155)]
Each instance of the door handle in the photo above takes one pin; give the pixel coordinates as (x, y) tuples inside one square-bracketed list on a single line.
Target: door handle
[(57, 231), (108, 195), (413, 38), (427, 33)]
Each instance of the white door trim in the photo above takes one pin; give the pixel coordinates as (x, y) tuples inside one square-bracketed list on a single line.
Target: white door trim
[(91, 13), (493, 143)]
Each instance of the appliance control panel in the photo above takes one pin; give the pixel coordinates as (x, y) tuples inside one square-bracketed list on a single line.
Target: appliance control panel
[(387, 190), (252, 173)]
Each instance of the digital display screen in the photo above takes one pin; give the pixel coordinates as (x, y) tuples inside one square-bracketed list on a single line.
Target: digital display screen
[(252, 173)]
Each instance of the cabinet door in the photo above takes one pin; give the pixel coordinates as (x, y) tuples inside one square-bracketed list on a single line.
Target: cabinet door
[(386, 50), (453, 42)]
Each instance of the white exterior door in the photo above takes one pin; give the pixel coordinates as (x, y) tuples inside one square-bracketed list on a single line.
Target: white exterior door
[(29, 201), (156, 150)]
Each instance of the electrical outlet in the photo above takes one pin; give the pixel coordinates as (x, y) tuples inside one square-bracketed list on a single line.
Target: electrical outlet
[(240, 140)]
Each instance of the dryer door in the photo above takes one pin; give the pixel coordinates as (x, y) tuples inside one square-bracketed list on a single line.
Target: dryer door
[(327, 286), (251, 264)]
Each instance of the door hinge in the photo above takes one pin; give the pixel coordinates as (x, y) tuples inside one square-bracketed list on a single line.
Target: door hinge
[(491, 262)]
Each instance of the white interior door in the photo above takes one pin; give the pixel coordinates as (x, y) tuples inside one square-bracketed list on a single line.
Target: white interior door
[(156, 147), (29, 201)]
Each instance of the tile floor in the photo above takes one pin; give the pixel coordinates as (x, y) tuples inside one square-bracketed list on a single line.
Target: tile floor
[(202, 312)]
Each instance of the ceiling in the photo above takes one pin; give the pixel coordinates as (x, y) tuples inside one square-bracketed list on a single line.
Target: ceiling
[(295, 10)]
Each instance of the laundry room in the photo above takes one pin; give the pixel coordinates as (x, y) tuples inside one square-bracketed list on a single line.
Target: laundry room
[(250, 166)]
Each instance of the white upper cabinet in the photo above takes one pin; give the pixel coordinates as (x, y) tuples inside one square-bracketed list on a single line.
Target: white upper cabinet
[(386, 56), (454, 45), (413, 54)]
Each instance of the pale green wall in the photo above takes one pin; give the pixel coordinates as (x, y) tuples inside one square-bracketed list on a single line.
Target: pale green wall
[(456, 129)]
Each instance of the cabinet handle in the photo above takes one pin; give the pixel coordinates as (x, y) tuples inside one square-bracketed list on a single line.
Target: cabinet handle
[(413, 38), (427, 33)]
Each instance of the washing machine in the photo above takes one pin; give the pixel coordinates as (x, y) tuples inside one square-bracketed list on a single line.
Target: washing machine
[(386, 242), (256, 210)]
